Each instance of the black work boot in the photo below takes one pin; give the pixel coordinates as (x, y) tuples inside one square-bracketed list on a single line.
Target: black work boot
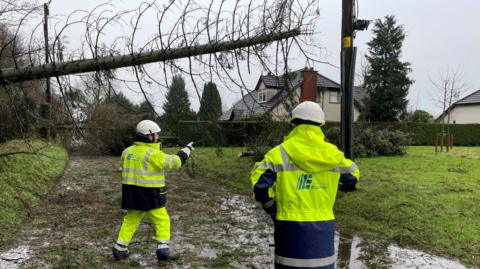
[(165, 253), (120, 252)]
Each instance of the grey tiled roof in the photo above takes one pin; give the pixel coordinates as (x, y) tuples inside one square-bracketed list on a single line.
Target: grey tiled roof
[(323, 81), (473, 98), (272, 81), (249, 106)]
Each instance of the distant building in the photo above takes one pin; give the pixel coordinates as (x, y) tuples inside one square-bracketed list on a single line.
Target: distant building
[(274, 96), (465, 110)]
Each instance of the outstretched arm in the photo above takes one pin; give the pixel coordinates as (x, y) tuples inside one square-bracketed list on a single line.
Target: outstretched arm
[(178, 160)]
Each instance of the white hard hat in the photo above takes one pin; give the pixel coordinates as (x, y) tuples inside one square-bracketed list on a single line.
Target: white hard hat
[(310, 111), (146, 127)]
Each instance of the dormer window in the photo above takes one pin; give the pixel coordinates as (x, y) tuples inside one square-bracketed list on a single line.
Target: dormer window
[(262, 96)]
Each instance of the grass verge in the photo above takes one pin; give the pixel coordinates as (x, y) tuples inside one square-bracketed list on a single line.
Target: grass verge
[(425, 199), (25, 178), (221, 166)]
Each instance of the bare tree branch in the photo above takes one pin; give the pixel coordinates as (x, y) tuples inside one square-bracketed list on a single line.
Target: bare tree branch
[(449, 88)]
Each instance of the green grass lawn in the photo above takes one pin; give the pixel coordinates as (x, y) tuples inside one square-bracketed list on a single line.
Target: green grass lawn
[(220, 165), (25, 178), (426, 200)]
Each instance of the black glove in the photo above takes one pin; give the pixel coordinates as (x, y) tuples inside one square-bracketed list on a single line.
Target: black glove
[(270, 208), (347, 183)]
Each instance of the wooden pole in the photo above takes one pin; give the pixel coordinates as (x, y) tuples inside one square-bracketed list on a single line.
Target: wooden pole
[(47, 50), (46, 108), (347, 77)]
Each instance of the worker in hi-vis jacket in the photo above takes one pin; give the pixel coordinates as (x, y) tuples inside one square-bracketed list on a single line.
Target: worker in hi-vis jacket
[(297, 183)]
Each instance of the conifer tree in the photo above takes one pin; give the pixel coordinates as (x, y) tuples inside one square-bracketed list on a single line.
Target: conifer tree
[(146, 111), (210, 104), (386, 79), (177, 106)]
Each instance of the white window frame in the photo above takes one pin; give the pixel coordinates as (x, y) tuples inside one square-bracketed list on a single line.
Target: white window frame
[(332, 94), (262, 95)]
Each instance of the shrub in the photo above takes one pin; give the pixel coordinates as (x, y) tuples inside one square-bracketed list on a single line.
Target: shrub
[(268, 135), (19, 116), (203, 133), (111, 128), (368, 142)]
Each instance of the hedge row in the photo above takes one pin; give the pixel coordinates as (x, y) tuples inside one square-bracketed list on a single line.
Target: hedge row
[(426, 133), (242, 133)]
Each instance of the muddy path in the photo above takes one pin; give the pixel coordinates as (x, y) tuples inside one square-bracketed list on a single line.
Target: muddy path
[(76, 225)]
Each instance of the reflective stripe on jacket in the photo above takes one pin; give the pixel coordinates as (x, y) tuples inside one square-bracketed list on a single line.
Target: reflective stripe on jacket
[(144, 165)]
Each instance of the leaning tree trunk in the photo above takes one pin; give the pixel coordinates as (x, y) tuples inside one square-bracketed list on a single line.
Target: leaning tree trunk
[(14, 75)]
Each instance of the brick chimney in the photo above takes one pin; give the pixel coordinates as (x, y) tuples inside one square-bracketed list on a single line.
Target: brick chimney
[(309, 85)]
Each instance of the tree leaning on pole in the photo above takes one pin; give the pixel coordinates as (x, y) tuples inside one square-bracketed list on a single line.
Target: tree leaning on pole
[(15, 75), (211, 40)]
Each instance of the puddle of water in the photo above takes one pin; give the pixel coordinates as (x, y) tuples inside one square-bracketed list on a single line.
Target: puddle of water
[(208, 253), (355, 252), (13, 258), (408, 258)]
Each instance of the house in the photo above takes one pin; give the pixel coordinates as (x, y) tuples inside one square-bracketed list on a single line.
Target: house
[(465, 110), (276, 96)]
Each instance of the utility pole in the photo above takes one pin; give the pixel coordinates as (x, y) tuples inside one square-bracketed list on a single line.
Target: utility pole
[(347, 63), (47, 49), (347, 58), (46, 111)]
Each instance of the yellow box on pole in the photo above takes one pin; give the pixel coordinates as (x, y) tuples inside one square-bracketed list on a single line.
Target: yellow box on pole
[(347, 42)]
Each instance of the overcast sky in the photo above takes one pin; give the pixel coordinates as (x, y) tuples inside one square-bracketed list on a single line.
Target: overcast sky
[(440, 34)]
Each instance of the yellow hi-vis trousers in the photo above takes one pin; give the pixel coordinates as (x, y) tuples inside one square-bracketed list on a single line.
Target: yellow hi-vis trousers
[(132, 219)]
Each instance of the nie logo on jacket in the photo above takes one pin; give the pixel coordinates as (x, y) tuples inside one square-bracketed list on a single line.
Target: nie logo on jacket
[(305, 182), (132, 157)]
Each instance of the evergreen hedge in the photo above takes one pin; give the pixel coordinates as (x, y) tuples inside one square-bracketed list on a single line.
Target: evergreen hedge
[(426, 133), (271, 133)]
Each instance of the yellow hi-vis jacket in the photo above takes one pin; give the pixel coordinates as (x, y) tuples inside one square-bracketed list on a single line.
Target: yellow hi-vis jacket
[(306, 172), (144, 165)]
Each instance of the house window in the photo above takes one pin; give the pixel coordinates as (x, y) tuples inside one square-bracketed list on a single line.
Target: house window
[(262, 96), (334, 97), (319, 96)]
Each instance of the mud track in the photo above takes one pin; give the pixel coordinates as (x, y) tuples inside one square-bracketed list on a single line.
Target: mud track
[(78, 222)]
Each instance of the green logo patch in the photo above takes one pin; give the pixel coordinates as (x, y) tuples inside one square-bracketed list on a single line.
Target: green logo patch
[(132, 157), (305, 182)]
